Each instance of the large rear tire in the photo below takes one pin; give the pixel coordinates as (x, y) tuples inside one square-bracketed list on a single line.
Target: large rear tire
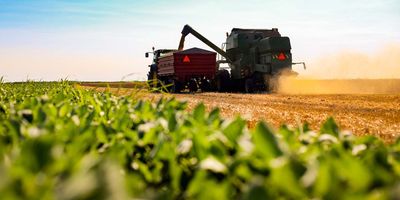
[(271, 83), (176, 86), (152, 80), (220, 85), (249, 85), (222, 81)]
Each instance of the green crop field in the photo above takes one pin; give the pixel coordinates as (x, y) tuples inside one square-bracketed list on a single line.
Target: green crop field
[(61, 141)]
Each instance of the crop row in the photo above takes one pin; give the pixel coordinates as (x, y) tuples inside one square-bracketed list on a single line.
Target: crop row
[(60, 141)]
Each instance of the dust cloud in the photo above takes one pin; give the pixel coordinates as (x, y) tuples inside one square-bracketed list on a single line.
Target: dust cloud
[(348, 73)]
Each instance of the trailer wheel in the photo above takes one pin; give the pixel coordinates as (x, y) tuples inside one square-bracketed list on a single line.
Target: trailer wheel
[(164, 85), (193, 86), (205, 85)]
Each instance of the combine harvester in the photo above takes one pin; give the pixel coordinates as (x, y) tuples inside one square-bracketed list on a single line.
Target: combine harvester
[(256, 58)]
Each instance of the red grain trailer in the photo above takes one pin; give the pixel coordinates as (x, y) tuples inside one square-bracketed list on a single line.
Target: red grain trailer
[(192, 68)]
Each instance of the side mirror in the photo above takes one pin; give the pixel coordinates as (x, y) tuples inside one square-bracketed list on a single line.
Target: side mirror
[(146, 55)]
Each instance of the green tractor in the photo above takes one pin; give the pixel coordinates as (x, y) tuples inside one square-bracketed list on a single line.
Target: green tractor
[(152, 75)]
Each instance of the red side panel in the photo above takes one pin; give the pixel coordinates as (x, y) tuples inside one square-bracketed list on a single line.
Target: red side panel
[(191, 63), (194, 65)]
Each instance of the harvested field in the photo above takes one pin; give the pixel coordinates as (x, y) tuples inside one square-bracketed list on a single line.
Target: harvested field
[(375, 114), (361, 114)]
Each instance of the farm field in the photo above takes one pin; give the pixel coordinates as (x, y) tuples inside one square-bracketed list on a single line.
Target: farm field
[(362, 114), (364, 107), (60, 140), (199, 100)]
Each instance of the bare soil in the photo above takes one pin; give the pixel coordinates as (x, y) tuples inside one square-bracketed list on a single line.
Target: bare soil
[(361, 114)]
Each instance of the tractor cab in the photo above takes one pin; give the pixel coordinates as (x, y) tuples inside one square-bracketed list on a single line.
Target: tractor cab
[(152, 75)]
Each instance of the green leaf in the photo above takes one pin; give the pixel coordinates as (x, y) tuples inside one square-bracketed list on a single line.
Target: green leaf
[(214, 115), (257, 192), (265, 141), (284, 179), (330, 127), (101, 134), (204, 188), (172, 122), (323, 179), (235, 129), (199, 112), (200, 145)]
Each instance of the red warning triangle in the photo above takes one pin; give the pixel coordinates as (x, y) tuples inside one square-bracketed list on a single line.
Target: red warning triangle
[(281, 56), (186, 59)]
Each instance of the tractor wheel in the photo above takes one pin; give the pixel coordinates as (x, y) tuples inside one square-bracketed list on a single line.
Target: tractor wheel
[(271, 83), (176, 87), (222, 80), (152, 80), (249, 85), (274, 84)]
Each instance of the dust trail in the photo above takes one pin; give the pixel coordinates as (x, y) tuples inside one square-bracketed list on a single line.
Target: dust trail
[(339, 86), (348, 73)]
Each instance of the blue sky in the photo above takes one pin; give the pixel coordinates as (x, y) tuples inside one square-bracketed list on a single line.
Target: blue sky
[(105, 40)]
